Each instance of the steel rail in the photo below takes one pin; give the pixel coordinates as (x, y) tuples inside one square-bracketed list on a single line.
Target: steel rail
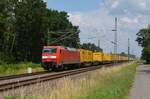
[(22, 75), (25, 82)]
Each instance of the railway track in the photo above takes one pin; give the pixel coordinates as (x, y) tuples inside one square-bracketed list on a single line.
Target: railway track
[(28, 79), (22, 75)]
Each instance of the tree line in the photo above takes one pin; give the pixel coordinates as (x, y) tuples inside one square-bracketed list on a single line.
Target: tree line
[(27, 25), (91, 46), (143, 40)]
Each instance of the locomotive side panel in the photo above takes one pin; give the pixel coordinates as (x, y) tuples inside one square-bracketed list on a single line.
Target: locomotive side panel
[(54, 57), (69, 57)]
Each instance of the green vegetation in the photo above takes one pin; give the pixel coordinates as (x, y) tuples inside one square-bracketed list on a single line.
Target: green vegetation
[(90, 46), (20, 68), (144, 40), (27, 25), (115, 86), (105, 83)]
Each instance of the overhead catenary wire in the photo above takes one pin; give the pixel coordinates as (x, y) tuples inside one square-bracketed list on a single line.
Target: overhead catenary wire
[(54, 32), (64, 36)]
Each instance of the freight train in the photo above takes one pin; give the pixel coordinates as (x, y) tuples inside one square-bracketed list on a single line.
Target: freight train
[(60, 57)]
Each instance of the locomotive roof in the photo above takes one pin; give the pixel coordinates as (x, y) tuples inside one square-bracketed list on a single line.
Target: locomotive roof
[(53, 47), (67, 48)]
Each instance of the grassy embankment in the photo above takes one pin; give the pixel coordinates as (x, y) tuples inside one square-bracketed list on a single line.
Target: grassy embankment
[(106, 83), (13, 69), (114, 86)]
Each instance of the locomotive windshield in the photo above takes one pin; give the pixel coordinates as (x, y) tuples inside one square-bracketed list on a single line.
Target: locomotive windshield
[(49, 50)]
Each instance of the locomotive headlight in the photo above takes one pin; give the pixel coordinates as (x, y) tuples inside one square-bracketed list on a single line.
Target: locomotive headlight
[(44, 57), (53, 57), (48, 57)]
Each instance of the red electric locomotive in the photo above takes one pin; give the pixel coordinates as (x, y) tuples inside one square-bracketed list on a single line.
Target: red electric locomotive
[(54, 57)]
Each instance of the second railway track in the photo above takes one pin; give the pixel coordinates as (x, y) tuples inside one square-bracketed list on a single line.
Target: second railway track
[(22, 75), (19, 82)]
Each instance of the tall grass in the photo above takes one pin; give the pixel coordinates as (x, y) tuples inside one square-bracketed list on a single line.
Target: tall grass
[(12, 69), (106, 83), (115, 86)]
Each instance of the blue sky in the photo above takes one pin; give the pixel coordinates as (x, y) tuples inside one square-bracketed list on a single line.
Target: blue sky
[(73, 5), (96, 18)]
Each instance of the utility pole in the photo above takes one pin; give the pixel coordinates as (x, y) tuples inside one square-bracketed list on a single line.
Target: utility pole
[(48, 41), (115, 38), (128, 49), (99, 43)]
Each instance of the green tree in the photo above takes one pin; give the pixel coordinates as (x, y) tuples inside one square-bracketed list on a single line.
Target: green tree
[(123, 54), (146, 54), (144, 40), (61, 31), (3, 19), (6, 29), (37, 26), (144, 37), (27, 25), (91, 47), (30, 27)]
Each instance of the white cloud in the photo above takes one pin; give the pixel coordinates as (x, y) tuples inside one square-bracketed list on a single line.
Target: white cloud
[(130, 21), (76, 18), (133, 6), (132, 16), (115, 4), (143, 5), (95, 24)]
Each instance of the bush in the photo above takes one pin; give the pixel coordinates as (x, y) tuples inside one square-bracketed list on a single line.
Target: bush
[(6, 59), (146, 55), (19, 68)]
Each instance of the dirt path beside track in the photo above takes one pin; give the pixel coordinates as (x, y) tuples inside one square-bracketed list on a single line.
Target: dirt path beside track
[(141, 87)]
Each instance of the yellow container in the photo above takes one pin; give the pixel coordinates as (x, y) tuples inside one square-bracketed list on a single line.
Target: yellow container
[(119, 57), (114, 57), (107, 57), (86, 56), (126, 58), (97, 57)]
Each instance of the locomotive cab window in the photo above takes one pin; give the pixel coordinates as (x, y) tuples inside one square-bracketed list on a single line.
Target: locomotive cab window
[(49, 50)]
